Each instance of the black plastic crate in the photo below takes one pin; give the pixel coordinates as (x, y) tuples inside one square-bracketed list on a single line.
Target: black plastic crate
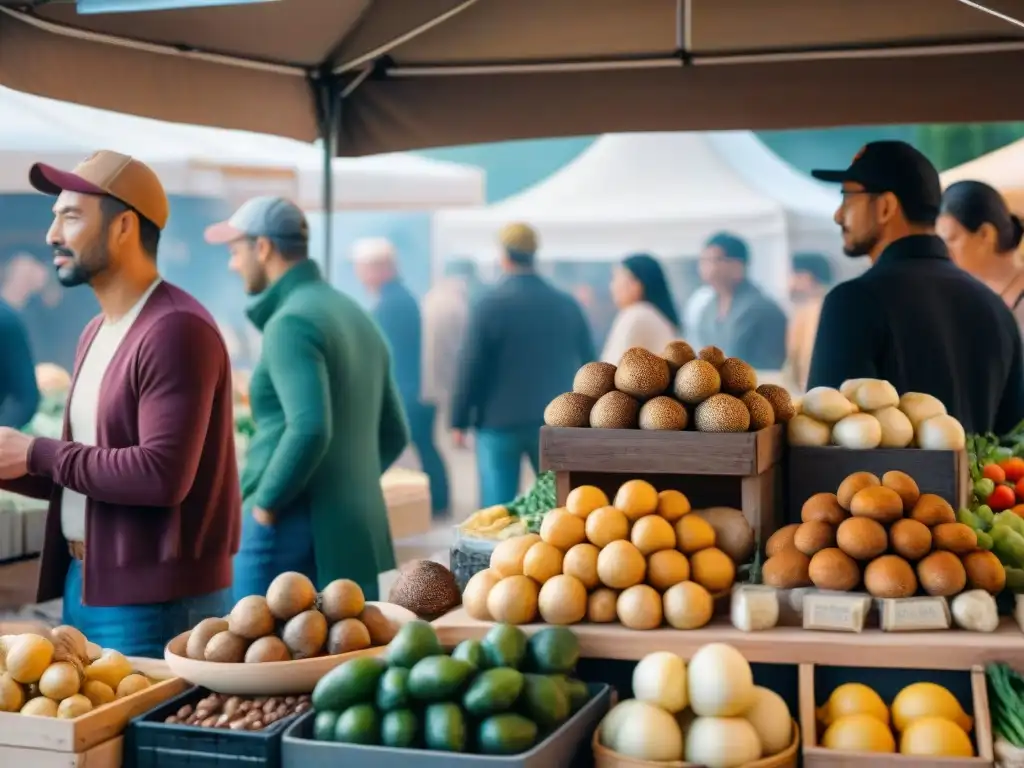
[(152, 743)]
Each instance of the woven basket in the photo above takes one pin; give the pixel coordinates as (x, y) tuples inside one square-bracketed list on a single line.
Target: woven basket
[(605, 758)]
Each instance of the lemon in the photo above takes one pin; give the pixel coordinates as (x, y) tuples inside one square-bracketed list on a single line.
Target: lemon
[(859, 733), (935, 737), (585, 499), (853, 699), (927, 700)]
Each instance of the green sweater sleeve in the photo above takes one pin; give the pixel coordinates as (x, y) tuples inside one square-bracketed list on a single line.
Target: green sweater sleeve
[(394, 426), (295, 360)]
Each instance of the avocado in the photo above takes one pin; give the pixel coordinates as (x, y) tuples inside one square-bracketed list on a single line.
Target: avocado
[(493, 691), (554, 651), (471, 651), (358, 725), (438, 678), (576, 690), (354, 682), (392, 690), (543, 701), (415, 640), (324, 724), (399, 729), (507, 734), (504, 646), (444, 728)]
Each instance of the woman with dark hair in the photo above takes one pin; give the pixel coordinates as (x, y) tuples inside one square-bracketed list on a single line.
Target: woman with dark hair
[(982, 236), (647, 314)]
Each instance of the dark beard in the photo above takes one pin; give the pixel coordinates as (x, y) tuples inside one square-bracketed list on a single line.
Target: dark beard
[(861, 247), (75, 273)]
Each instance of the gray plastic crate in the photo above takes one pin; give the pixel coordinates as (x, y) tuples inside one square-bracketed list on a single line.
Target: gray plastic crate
[(557, 750)]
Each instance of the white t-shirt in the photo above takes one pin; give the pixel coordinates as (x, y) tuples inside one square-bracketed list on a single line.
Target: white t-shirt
[(638, 325), (84, 401)]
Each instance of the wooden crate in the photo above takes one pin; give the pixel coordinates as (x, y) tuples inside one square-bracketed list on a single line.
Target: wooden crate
[(85, 732), (108, 754), (811, 470), (819, 757), (740, 470)]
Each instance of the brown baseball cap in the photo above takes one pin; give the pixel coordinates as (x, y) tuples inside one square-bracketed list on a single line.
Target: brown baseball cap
[(108, 173)]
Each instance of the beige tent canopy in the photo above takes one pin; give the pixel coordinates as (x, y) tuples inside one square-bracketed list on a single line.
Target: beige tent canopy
[(1002, 169), (416, 73)]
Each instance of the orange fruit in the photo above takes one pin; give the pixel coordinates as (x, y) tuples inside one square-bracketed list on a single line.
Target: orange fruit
[(636, 498), (585, 499), (672, 505)]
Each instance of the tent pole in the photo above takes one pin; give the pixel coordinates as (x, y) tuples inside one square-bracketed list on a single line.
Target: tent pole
[(328, 103)]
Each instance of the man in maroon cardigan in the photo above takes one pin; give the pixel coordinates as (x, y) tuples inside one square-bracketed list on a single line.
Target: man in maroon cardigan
[(144, 511)]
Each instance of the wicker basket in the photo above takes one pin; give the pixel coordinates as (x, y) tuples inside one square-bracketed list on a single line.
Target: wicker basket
[(605, 758)]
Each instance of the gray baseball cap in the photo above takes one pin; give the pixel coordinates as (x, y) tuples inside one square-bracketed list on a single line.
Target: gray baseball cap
[(267, 216)]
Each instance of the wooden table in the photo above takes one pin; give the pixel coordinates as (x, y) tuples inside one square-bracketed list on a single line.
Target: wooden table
[(951, 649)]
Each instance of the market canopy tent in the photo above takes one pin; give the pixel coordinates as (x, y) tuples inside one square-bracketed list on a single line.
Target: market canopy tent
[(223, 163), (1002, 169), (665, 193), (437, 72)]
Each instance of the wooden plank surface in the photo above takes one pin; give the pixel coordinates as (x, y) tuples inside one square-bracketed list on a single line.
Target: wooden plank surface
[(811, 470), (109, 754), (646, 451), (949, 649)]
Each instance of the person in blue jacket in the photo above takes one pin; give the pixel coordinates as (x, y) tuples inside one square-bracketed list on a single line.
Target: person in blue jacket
[(19, 394), (524, 342), (397, 312)]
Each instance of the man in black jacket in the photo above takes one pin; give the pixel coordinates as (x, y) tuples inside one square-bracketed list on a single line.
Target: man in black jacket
[(525, 339), (914, 318)]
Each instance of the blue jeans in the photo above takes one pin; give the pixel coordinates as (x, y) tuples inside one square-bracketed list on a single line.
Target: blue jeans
[(499, 456), (269, 550), (421, 430), (137, 630)]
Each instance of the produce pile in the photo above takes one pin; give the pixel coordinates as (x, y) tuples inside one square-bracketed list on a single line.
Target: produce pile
[(239, 713), (870, 532), (1006, 704), (870, 413), (62, 675), (927, 719), (291, 622), (678, 389), (642, 560), (709, 712), (498, 696), (521, 515)]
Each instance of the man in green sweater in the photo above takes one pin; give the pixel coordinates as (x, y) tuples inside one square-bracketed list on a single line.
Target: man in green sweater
[(328, 417)]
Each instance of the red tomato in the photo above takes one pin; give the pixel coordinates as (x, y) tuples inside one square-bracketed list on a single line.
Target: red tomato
[(1019, 488), (994, 472), (1001, 498), (1014, 468)]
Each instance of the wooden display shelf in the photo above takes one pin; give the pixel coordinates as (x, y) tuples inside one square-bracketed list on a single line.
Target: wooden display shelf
[(949, 649), (90, 730), (819, 757), (811, 470), (640, 451), (740, 470)]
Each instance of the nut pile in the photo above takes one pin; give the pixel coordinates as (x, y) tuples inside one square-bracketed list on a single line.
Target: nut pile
[(239, 714)]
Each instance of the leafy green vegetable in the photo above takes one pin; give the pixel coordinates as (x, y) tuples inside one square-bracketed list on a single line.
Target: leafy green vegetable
[(531, 506)]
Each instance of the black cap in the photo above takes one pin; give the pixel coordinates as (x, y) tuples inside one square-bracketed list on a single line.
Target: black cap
[(895, 166)]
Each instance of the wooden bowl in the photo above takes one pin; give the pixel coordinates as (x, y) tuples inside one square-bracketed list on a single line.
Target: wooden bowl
[(605, 758), (270, 678)]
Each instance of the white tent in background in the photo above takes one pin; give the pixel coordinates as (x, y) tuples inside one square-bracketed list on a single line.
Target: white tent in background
[(1002, 168), (194, 160), (664, 193)]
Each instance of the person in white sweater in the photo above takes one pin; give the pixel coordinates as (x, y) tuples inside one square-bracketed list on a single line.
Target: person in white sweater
[(647, 313)]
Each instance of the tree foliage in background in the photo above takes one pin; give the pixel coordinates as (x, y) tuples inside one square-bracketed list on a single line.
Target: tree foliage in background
[(950, 145)]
